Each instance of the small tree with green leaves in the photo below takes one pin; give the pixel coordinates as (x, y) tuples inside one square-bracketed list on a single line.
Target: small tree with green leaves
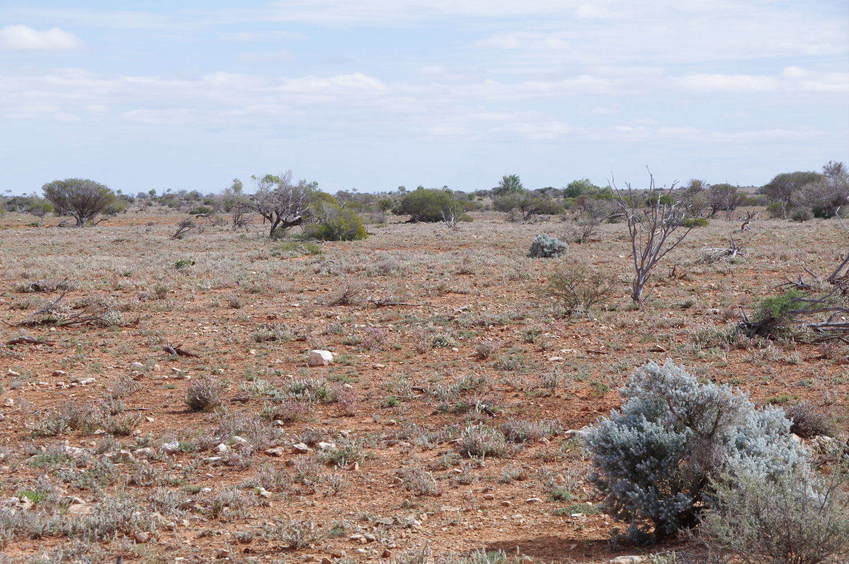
[(430, 205), (80, 198), (510, 183)]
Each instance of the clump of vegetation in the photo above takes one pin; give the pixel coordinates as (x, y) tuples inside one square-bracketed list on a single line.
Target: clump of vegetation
[(295, 534), (807, 421), (576, 288), (522, 431), (655, 457), (335, 223), (793, 517), (545, 246), (431, 205), (204, 394), (418, 482), (773, 315), (482, 441)]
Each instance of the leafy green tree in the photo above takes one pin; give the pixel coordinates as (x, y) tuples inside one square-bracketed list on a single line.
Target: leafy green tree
[(580, 187), (723, 197), (825, 198), (509, 184), (80, 198), (430, 205), (781, 189)]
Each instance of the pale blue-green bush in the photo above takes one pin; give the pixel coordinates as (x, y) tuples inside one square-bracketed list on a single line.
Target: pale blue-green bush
[(545, 246), (654, 458)]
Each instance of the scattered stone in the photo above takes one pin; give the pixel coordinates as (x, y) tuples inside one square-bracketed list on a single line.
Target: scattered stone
[(79, 509), (275, 451), (8, 402), (533, 500), (627, 560), (171, 447), (73, 451), (222, 447), (84, 381), (137, 366), (147, 452), (59, 373), (239, 440), (262, 492), (301, 448), (320, 358), (326, 446), (11, 372)]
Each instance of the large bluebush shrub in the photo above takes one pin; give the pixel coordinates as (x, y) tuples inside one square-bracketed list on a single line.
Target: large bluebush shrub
[(655, 457)]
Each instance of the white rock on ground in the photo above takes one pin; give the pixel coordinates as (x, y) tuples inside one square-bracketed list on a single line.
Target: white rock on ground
[(320, 358)]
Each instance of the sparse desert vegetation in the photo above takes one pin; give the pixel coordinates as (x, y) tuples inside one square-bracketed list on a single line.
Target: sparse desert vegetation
[(397, 377)]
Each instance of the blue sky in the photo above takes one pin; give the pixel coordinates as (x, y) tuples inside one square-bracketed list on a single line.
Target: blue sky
[(374, 94)]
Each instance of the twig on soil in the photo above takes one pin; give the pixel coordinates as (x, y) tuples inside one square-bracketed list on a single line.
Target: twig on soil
[(177, 351)]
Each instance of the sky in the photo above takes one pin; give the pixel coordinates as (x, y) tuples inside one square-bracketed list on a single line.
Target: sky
[(374, 94)]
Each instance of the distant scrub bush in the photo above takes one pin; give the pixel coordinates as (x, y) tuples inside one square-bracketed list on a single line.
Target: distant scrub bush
[(801, 214), (431, 205), (695, 222), (545, 246), (336, 224), (655, 457)]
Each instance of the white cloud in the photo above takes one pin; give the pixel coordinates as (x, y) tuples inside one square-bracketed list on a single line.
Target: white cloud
[(791, 79), (24, 38), (729, 83)]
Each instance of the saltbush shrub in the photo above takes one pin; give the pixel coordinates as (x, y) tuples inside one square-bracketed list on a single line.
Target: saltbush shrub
[(576, 288), (794, 518), (655, 457), (545, 246), (204, 394)]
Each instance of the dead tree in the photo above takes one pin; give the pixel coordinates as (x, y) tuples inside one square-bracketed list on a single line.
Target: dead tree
[(828, 297), (182, 228), (656, 226), (282, 203), (240, 218), (714, 254), (747, 220)]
